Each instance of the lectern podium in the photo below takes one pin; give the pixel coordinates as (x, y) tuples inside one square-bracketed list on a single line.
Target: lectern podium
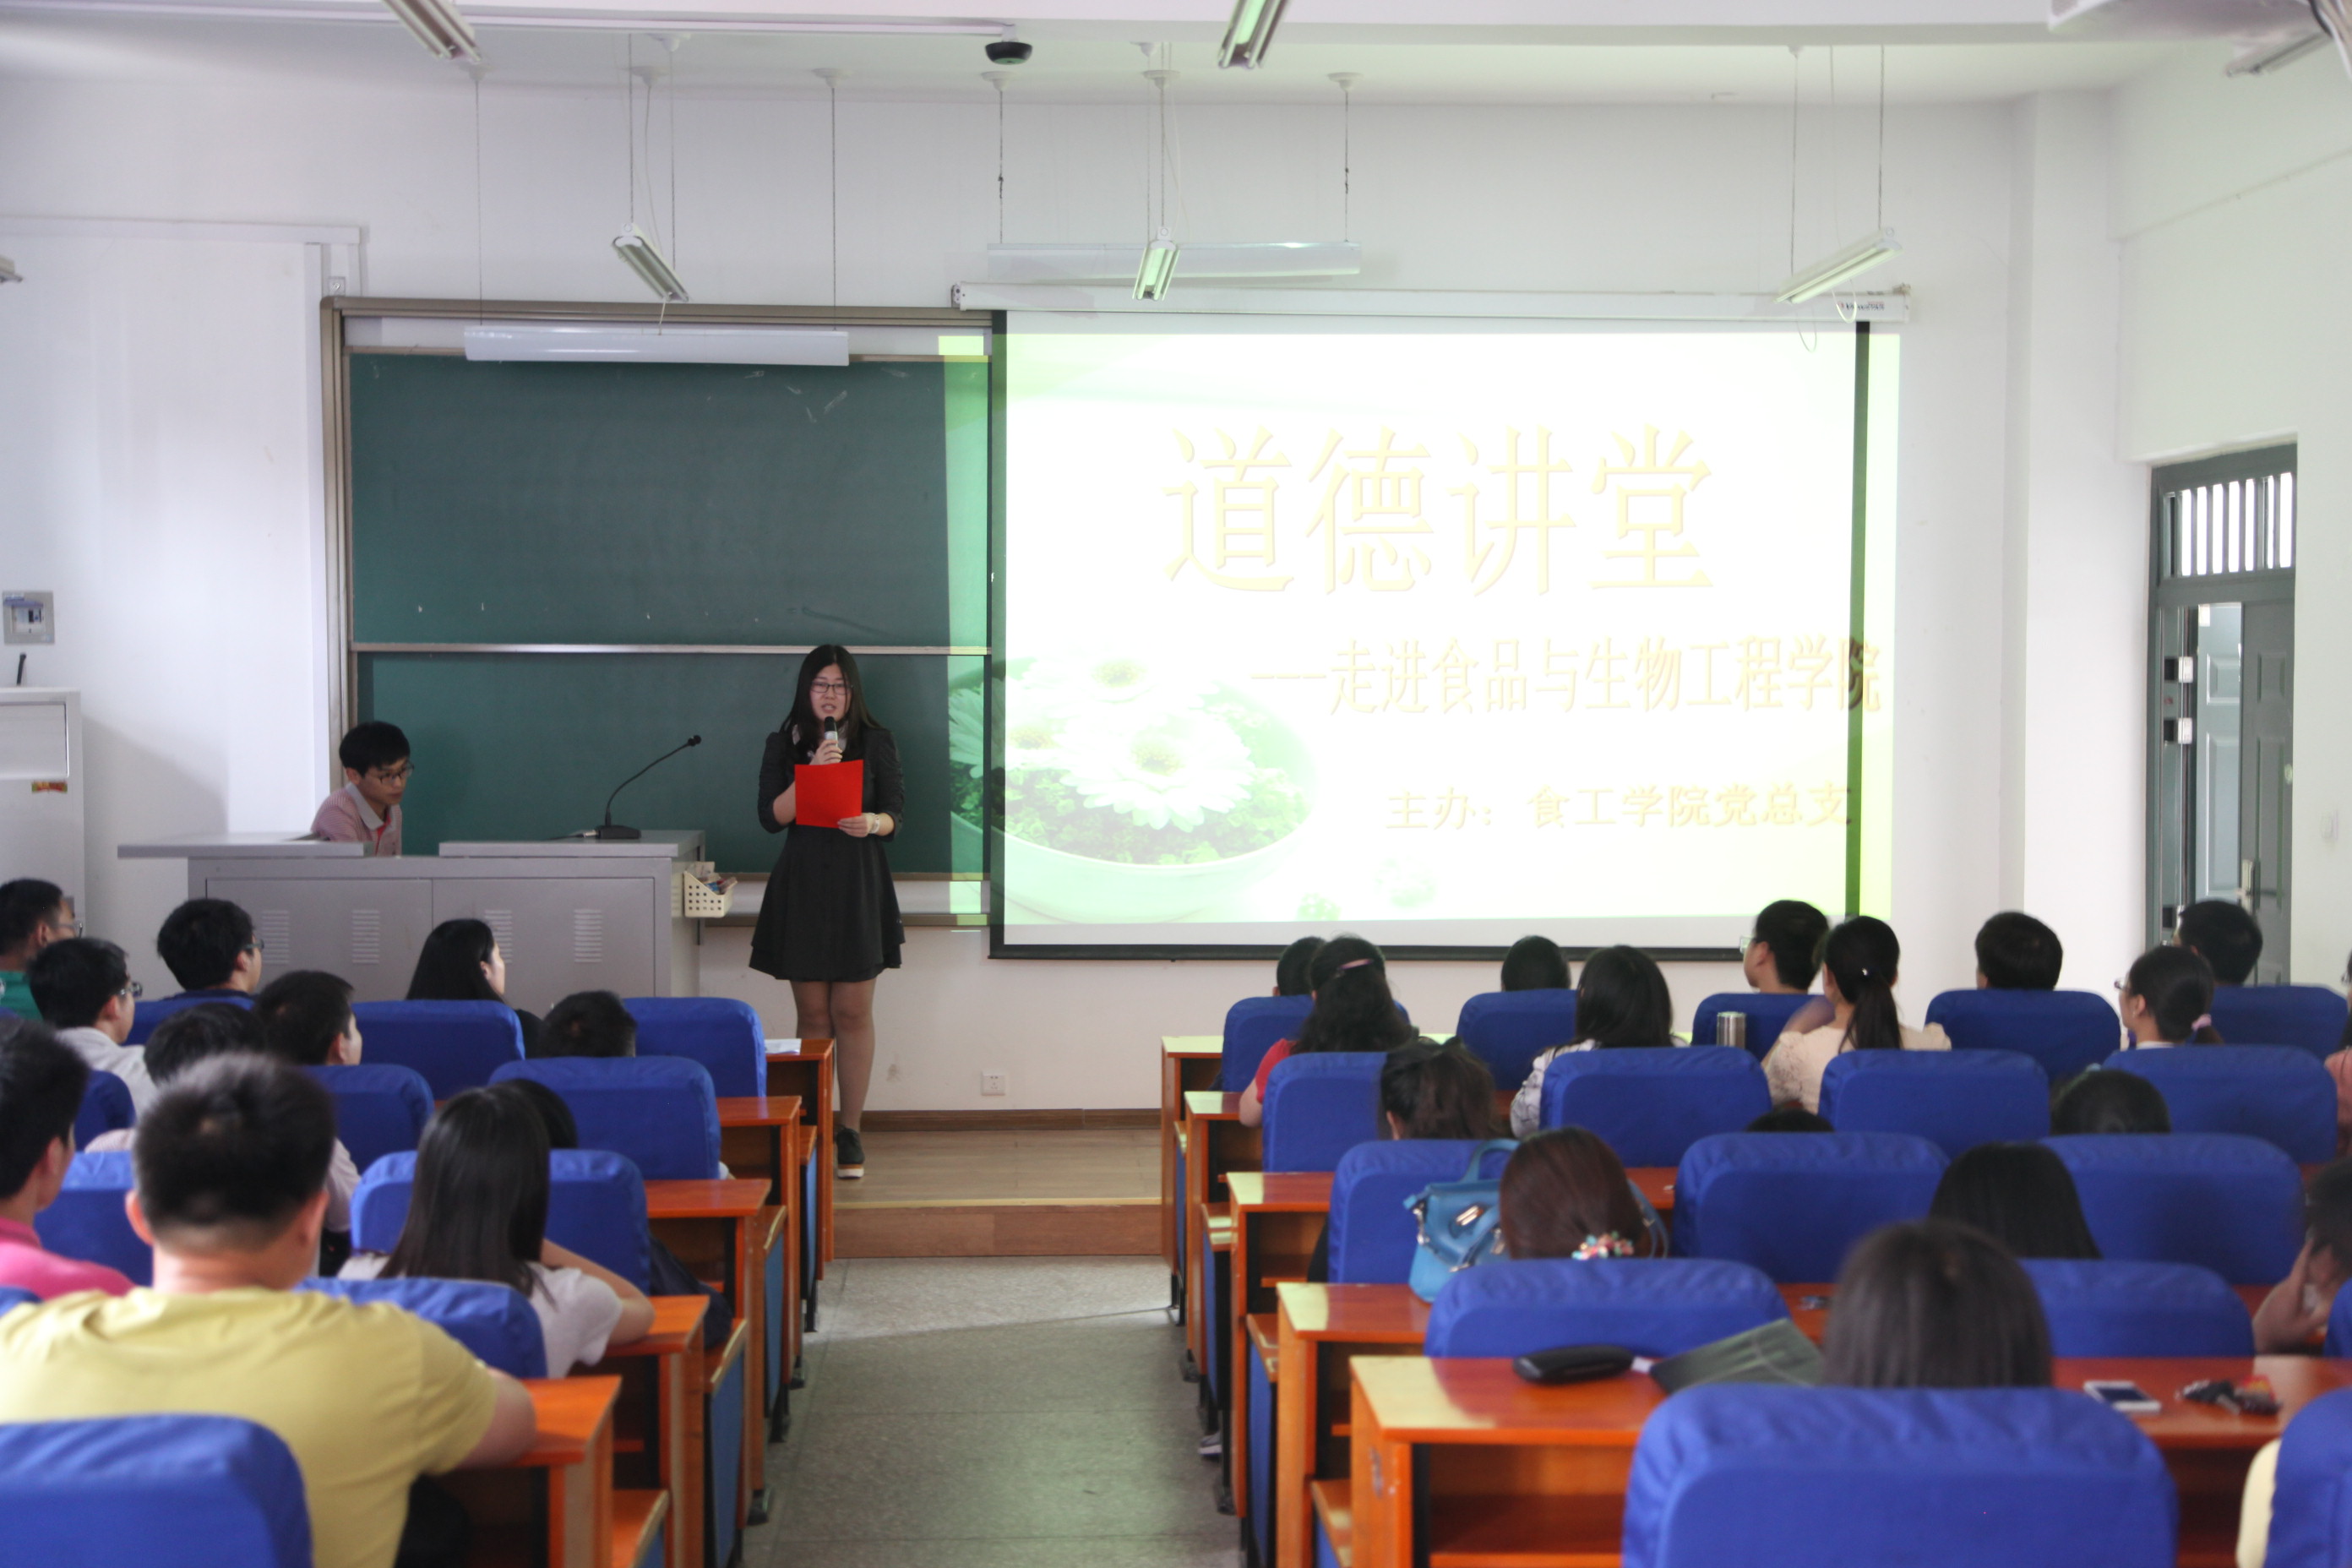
[(570, 914)]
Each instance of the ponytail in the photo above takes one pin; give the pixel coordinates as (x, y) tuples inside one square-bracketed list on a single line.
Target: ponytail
[(1354, 1010), (2176, 984), (1860, 955)]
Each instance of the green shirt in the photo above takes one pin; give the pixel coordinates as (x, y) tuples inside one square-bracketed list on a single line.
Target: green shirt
[(16, 996)]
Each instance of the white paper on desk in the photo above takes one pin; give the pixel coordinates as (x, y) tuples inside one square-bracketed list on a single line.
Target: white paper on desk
[(784, 1048)]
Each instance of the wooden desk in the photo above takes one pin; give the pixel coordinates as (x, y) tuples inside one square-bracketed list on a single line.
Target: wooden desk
[(1459, 1460), (1657, 1184), (1809, 1306), (807, 1076), (760, 1138), (1186, 1062), (1277, 1218), (714, 1228), (554, 1504), (1214, 1142), (661, 1420), (1320, 1331)]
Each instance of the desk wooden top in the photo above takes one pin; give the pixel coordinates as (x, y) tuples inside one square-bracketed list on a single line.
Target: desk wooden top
[(1416, 1400), (810, 1051), (1809, 1305), (739, 1199), (759, 1109), (1379, 1314), (1192, 1045), (1280, 1191), (569, 1412), (1656, 1182), (678, 1323), (1212, 1104)]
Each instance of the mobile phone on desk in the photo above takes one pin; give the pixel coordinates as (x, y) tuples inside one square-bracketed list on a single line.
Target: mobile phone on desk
[(2117, 1395)]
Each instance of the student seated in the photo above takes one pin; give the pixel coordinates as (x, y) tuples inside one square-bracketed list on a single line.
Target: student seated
[(41, 1085), (1935, 1304), (209, 947), (232, 1168), (33, 914), (188, 1036), (1858, 975), (1290, 969), (2224, 934), (2017, 952), (460, 962), (1789, 1119), (1783, 952), (306, 1018), (1429, 1090), (366, 810), (588, 1023), (1354, 1011), (1565, 1195), (1621, 1003), (479, 1211), (2021, 1196), (84, 989), (2095, 1101), (1534, 964), (2294, 1313), (2168, 996)]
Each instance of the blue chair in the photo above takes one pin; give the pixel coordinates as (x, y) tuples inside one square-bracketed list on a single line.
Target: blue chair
[(164, 1491), (1652, 1105), (454, 1045), (1764, 1477), (495, 1322), (380, 1107), (87, 1221), (1768, 1014), (2311, 1501), (1794, 1205), (1653, 1307), (2066, 1031), (595, 1207), (1955, 1099), (14, 1296), (1319, 1107), (1252, 1025), (2277, 1093), (2228, 1203), (1508, 1029), (721, 1033), (106, 1107), (2113, 1307), (1372, 1233), (146, 1016), (2308, 1018), (2339, 1326), (658, 1110)]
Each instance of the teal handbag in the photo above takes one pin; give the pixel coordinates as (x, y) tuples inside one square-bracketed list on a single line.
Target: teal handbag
[(1460, 1223)]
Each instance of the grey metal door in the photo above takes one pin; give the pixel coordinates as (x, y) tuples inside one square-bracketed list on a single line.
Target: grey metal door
[(2266, 774)]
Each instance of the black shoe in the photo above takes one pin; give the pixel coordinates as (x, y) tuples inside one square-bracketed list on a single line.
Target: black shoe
[(848, 1154)]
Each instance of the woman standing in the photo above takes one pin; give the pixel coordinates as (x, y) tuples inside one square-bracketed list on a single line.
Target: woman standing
[(829, 924)]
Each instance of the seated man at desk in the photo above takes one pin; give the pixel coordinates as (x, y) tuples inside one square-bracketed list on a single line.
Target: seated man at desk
[(231, 1171), (366, 810)]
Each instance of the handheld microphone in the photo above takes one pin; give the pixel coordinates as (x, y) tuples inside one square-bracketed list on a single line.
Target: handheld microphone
[(610, 830), (833, 732)]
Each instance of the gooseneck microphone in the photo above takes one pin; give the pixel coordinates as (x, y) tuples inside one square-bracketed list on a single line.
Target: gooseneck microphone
[(611, 830)]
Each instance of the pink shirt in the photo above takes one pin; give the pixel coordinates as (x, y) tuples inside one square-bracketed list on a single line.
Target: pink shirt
[(26, 1265), (346, 817)]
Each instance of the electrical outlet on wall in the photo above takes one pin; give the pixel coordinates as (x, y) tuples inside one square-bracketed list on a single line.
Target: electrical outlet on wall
[(992, 1082)]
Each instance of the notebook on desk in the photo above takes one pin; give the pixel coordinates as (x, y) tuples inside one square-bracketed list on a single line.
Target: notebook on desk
[(1777, 1352)]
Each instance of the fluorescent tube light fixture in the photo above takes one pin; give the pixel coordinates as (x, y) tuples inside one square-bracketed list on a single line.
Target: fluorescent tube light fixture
[(439, 28), (1852, 262), (592, 342), (2270, 54), (1249, 33), (8, 273), (1159, 269), (649, 264)]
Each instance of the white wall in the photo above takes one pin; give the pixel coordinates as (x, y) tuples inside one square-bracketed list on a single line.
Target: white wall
[(1691, 198)]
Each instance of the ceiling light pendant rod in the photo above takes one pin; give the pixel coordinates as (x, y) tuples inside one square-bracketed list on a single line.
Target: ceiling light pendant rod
[(1158, 270), (1346, 81), (996, 79), (1796, 52), (477, 72), (1881, 135), (831, 76)]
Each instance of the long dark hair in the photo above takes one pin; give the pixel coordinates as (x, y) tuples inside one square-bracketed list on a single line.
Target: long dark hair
[(1860, 955), (480, 1207), (2021, 1196), (1935, 1304), (1354, 1010), (2177, 984), (449, 964), (1621, 1000), (801, 727), (1438, 1091), (1562, 1187)]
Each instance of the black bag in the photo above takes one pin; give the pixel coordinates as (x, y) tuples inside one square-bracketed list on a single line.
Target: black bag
[(672, 1278)]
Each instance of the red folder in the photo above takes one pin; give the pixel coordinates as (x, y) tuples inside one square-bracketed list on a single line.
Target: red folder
[(822, 796)]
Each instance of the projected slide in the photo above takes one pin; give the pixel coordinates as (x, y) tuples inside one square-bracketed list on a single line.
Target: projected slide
[(1440, 637)]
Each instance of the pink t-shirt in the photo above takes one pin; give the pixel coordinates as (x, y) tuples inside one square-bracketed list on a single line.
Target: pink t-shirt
[(26, 1265), (346, 817)]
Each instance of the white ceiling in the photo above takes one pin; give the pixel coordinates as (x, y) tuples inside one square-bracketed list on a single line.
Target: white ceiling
[(1485, 51)]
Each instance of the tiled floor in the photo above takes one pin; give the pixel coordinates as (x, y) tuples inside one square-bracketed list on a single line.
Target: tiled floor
[(993, 1412), (1116, 1163)]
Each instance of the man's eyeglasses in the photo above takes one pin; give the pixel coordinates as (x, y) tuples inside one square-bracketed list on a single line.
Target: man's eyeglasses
[(132, 992), (400, 774)]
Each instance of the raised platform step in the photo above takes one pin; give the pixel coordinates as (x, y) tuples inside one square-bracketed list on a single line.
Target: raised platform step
[(1002, 1193), (984, 1227)]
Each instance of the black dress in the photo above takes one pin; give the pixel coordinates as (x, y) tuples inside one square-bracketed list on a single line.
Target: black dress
[(830, 912)]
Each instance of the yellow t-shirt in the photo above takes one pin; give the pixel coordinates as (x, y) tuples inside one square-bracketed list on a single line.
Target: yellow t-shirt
[(368, 1398)]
